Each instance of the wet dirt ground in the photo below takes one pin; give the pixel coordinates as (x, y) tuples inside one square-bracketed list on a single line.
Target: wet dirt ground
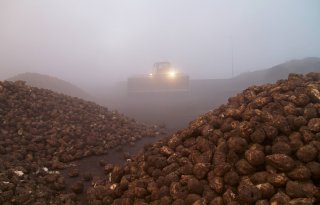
[(115, 156)]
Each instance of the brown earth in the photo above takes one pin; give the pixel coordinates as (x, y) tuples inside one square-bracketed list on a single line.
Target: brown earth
[(52, 83)]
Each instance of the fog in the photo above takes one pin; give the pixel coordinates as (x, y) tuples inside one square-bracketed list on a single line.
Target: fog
[(87, 42)]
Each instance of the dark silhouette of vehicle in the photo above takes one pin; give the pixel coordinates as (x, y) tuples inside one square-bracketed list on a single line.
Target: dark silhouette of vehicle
[(164, 78)]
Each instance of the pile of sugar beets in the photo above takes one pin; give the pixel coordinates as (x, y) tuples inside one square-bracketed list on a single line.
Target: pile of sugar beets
[(262, 147), (41, 131)]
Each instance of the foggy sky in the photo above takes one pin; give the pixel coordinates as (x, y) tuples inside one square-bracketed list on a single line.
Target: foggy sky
[(93, 41)]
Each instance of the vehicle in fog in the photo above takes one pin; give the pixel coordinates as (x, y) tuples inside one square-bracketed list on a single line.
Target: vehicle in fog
[(165, 78)]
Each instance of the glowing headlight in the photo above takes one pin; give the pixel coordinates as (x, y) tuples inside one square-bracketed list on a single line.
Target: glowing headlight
[(172, 74)]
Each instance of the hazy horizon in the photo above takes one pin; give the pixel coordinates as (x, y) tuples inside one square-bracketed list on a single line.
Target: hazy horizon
[(96, 41)]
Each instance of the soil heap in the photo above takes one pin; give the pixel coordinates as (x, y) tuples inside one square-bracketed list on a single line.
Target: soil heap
[(262, 147), (41, 131)]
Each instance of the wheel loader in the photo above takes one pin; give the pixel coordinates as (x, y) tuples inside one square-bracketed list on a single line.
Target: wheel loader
[(164, 78)]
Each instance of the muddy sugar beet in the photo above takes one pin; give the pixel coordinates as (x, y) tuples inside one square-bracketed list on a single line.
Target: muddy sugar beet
[(262, 147), (41, 131)]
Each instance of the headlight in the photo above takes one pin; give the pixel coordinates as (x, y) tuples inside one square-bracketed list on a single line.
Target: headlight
[(172, 74)]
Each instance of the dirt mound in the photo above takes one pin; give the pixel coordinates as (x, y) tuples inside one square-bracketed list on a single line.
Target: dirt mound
[(203, 95), (41, 131), (51, 83), (262, 147)]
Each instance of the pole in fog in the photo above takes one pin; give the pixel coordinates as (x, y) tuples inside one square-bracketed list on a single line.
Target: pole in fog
[(232, 57)]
